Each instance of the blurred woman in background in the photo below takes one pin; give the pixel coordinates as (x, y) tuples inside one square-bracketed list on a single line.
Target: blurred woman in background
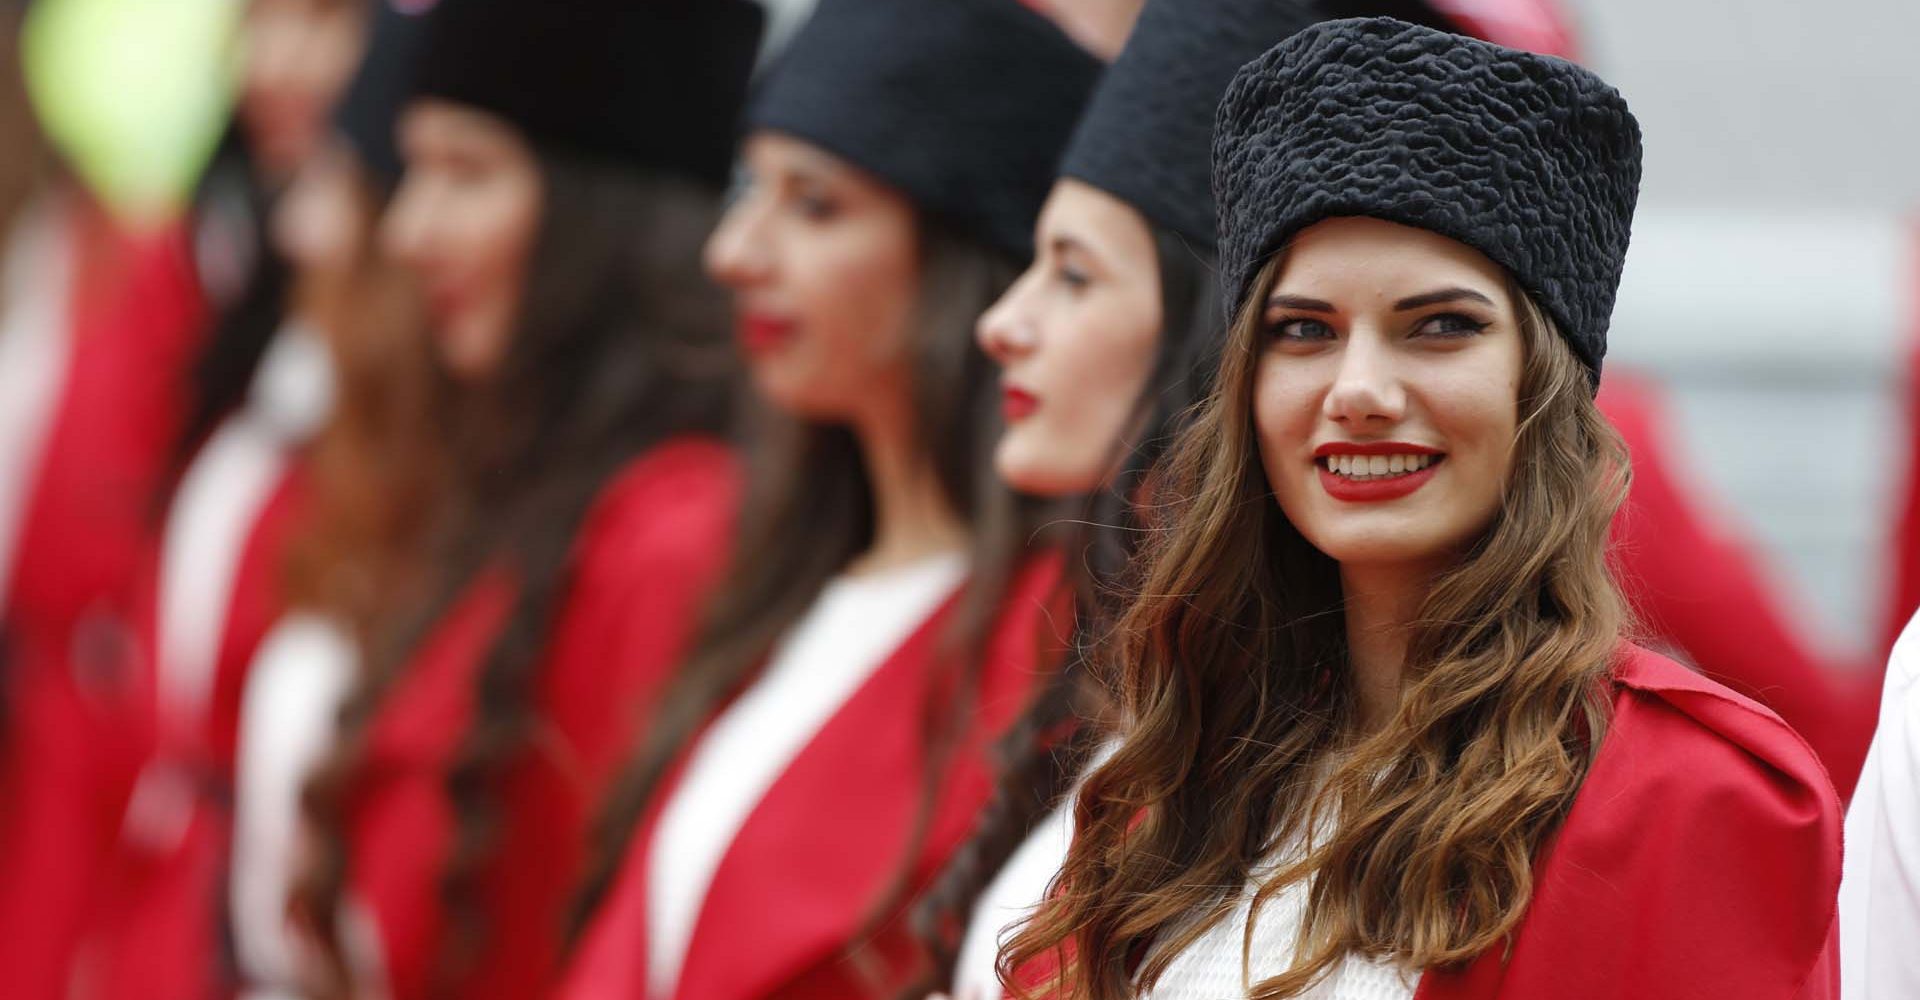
[(286, 472), (1383, 733), (560, 175), (824, 745), (1104, 345), (102, 318)]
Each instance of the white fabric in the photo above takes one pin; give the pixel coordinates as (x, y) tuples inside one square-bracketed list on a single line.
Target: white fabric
[(221, 497), (852, 629), (299, 678), (1212, 968), (1880, 883), (1013, 895), (219, 502), (35, 346)]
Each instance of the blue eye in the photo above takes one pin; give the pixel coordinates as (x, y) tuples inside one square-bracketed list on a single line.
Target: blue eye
[(1302, 330), (1449, 325)]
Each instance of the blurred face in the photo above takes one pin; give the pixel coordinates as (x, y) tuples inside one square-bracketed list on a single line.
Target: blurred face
[(296, 57), (1386, 392), (1075, 338), (823, 261), (464, 221), (319, 223)]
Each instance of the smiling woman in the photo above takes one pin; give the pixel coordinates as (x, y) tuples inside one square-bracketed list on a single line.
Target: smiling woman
[(1384, 735)]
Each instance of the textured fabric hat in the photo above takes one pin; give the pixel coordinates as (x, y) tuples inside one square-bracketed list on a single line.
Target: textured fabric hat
[(367, 114), (964, 105), (1529, 159), (1145, 136), (657, 83)]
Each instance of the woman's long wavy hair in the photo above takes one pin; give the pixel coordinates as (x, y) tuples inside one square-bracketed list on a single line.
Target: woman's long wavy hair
[(1241, 715), (809, 511), (376, 470), (1044, 750), (621, 345)]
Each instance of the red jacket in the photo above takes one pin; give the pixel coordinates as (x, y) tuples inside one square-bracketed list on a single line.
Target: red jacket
[(805, 869), (1699, 590), (158, 933), (1701, 859), (74, 696), (648, 552)]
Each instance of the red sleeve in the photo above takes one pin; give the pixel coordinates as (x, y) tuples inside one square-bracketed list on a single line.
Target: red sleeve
[(1701, 859), (1697, 588)]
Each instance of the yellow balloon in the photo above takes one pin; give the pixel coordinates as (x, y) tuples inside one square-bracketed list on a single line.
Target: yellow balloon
[(133, 93)]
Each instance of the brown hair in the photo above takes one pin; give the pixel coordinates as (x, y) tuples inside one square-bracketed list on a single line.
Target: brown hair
[(809, 512), (25, 163), (620, 345), (1231, 669), (376, 469)]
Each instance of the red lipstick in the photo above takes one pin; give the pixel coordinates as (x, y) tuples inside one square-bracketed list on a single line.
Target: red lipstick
[(1017, 403), (1371, 490), (762, 334)]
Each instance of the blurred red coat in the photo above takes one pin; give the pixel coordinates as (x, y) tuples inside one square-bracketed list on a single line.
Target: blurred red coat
[(1698, 589), (648, 553), (803, 871), (75, 724), (159, 932)]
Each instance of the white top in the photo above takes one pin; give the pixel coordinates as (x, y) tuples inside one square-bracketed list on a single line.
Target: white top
[(1212, 967), (220, 500), (299, 678), (35, 346), (851, 630), (1014, 894), (1880, 883)]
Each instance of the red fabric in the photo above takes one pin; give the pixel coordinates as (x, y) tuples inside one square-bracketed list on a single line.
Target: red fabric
[(804, 870), (650, 550), (1700, 859), (159, 932), (74, 700), (1699, 590)]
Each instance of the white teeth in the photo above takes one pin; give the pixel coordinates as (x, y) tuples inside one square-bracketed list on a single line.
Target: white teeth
[(1370, 466)]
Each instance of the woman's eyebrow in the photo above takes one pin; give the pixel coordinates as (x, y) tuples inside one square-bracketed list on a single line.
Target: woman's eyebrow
[(1301, 302), (1436, 298)]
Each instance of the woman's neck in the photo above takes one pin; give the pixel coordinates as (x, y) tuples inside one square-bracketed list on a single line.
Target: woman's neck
[(1381, 603), (911, 514)]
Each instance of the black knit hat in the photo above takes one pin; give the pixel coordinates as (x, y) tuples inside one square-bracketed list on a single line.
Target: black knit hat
[(964, 105), (657, 83), (367, 114), (1145, 137), (1529, 159)]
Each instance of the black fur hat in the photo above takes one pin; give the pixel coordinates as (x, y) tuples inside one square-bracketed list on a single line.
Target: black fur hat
[(657, 83), (1146, 135), (1529, 159), (964, 105)]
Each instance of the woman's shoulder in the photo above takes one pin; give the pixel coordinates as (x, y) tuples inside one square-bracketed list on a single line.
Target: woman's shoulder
[(1686, 737), (680, 494)]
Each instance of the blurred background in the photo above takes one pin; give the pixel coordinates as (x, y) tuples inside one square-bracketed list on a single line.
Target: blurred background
[(1774, 281)]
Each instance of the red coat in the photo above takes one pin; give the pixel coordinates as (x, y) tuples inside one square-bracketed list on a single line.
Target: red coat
[(1701, 859), (1699, 590), (158, 935), (648, 552), (75, 721), (810, 861)]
